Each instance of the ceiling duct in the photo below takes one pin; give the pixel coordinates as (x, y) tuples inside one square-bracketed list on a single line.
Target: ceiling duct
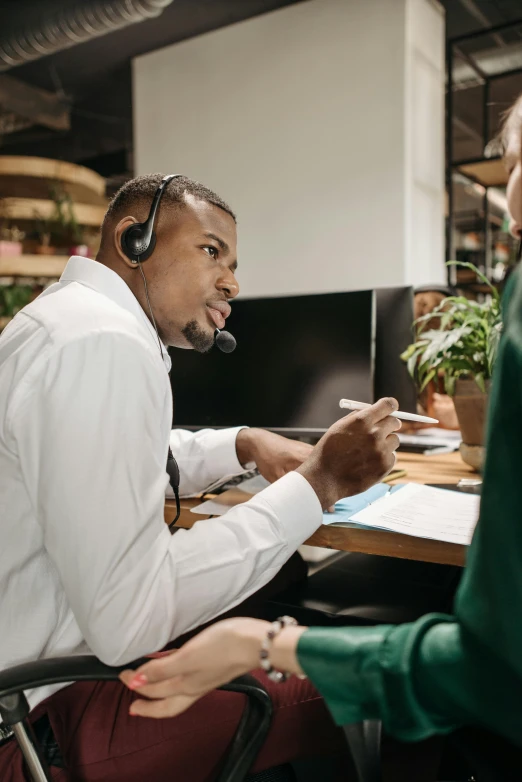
[(74, 25)]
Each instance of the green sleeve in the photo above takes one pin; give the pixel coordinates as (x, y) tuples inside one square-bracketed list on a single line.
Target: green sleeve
[(419, 679), (442, 672)]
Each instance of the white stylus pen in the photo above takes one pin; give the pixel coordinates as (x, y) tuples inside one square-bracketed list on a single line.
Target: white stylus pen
[(350, 404)]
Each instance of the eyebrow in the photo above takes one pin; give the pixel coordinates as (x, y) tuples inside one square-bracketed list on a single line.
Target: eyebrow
[(224, 246)]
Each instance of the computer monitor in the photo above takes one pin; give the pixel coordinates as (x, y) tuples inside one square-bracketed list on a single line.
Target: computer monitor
[(394, 332), (296, 357)]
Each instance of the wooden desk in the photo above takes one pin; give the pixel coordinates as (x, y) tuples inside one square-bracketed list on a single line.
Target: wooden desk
[(445, 468)]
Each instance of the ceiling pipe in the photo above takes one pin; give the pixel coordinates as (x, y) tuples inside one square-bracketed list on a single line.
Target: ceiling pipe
[(473, 9), (74, 25), (490, 61)]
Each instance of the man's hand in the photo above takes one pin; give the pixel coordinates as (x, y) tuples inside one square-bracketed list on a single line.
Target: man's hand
[(354, 454), (274, 455)]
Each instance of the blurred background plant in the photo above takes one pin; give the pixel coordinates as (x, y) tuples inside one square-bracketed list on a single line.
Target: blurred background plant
[(465, 343)]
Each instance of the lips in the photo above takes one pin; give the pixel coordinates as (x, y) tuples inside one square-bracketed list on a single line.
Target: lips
[(218, 311)]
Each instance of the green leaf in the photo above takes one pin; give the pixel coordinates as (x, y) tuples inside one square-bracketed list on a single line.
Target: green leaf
[(449, 384), (492, 347), (479, 380), (479, 274), (427, 379), (413, 361)]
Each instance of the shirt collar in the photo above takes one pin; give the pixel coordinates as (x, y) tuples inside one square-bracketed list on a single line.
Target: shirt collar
[(102, 279)]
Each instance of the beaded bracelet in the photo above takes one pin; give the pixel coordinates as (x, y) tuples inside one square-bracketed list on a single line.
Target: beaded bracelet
[(275, 628)]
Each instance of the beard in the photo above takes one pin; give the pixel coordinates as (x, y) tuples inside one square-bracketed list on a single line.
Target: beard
[(200, 339)]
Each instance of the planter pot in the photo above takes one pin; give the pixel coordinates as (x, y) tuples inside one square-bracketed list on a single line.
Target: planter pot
[(471, 405), (10, 249), (45, 249)]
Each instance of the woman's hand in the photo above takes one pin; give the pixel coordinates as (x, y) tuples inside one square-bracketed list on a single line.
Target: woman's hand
[(220, 653)]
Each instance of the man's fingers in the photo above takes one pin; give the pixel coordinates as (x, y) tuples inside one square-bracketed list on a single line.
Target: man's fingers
[(389, 425), (393, 442), (382, 409)]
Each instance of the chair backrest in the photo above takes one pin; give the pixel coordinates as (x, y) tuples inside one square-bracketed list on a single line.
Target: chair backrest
[(14, 710)]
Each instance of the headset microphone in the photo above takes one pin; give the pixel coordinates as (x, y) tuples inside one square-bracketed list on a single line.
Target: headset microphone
[(224, 341)]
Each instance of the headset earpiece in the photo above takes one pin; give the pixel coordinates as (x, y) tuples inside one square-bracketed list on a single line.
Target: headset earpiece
[(134, 242), (139, 239)]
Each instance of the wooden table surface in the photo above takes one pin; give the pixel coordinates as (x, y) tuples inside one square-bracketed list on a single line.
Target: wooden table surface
[(443, 468)]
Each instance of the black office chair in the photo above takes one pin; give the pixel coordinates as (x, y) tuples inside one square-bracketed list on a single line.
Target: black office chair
[(366, 589), (14, 710)]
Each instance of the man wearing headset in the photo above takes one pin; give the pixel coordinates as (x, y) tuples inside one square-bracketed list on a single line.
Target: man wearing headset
[(86, 562)]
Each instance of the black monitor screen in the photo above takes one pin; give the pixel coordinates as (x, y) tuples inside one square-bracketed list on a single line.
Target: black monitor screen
[(394, 310), (296, 357)]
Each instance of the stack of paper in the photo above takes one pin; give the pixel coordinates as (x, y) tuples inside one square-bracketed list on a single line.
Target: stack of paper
[(424, 512), (433, 438)]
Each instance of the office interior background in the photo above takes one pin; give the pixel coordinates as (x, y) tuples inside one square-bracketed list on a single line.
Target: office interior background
[(355, 140), (358, 143)]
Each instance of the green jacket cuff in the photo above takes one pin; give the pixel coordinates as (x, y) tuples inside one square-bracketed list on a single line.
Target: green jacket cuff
[(369, 673)]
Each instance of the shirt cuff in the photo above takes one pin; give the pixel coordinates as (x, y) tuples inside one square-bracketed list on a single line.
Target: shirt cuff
[(221, 449), (295, 505)]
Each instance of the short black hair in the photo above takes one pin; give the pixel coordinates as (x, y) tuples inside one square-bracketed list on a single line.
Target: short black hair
[(135, 196)]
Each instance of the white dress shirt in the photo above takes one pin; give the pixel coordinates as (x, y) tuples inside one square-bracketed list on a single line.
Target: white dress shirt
[(87, 563)]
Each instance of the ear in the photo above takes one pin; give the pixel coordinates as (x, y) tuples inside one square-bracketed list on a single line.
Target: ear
[(122, 226)]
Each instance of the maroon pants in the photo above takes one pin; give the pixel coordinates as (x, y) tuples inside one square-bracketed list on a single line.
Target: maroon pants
[(100, 741)]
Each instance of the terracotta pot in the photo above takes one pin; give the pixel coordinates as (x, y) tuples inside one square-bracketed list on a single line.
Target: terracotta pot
[(471, 405)]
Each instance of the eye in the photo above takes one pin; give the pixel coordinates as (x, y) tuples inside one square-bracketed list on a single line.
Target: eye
[(211, 250)]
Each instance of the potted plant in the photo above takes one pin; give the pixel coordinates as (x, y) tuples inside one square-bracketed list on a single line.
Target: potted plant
[(10, 241), (60, 232), (43, 230), (461, 354), (66, 226)]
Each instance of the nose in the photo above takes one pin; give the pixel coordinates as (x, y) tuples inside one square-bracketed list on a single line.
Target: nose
[(228, 284)]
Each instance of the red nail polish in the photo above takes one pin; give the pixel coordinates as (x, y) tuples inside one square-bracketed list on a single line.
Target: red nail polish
[(138, 681)]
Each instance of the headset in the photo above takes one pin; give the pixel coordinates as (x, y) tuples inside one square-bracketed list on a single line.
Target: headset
[(139, 239), (138, 242)]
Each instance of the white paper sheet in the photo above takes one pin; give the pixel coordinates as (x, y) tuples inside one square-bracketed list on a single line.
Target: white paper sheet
[(425, 512), (211, 508), (218, 507)]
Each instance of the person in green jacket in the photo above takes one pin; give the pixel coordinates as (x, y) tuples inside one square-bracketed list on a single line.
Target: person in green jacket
[(433, 675)]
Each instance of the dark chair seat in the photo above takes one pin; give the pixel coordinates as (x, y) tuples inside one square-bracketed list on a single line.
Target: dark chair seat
[(365, 589)]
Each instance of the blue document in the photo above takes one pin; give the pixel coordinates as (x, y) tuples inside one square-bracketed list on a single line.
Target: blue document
[(345, 509)]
